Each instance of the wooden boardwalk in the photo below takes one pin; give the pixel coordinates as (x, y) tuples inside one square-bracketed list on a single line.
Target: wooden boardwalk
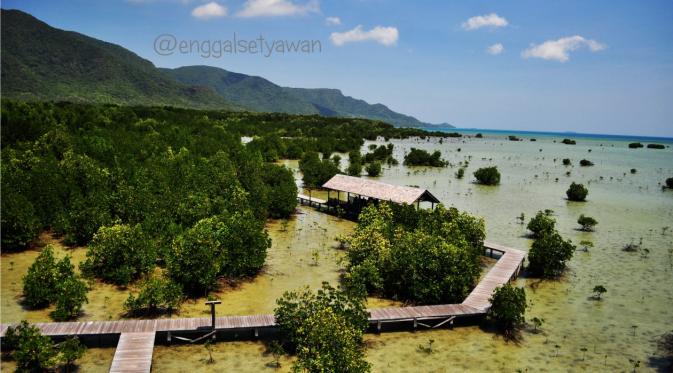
[(134, 349), (133, 353)]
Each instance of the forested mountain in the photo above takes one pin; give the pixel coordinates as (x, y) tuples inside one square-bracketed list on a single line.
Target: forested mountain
[(260, 94), (42, 63)]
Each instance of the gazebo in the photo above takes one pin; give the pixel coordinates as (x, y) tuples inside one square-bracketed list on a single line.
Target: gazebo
[(358, 189)]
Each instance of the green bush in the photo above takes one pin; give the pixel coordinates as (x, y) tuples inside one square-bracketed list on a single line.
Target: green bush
[(577, 192), (20, 224), (316, 172), (421, 256), (156, 294), (587, 222), (420, 157), (50, 281), (669, 182), (566, 162), (460, 173), (70, 292), (373, 169), (119, 254), (488, 175), (569, 142), (233, 246), (586, 163), (32, 351), (282, 190), (656, 146), (635, 145), (325, 329), (549, 254), (508, 307), (195, 259), (541, 224), (41, 279), (354, 163), (70, 350)]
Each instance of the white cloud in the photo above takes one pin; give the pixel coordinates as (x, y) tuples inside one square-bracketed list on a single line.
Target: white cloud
[(559, 49), (495, 49), (209, 10), (383, 35), (273, 8), (333, 21), (489, 20)]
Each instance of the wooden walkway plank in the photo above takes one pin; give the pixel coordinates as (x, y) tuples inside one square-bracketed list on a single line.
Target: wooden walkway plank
[(134, 353)]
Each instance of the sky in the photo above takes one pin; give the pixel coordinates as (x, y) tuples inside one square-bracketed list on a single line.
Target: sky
[(582, 66)]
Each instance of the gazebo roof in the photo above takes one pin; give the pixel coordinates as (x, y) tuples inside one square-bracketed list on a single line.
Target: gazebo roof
[(379, 190)]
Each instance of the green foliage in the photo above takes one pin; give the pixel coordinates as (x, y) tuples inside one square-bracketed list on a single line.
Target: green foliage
[(566, 162), (325, 329), (156, 294), (119, 254), (460, 173), (70, 292), (316, 172), (488, 175), (577, 192), (418, 255), (373, 169), (656, 146), (635, 145), (541, 224), (420, 157), (354, 163), (568, 142), (549, 254), (382, 153), (587, 222), (599, 290), (70, 350), (32, 351), (586, 163), (669, 182), (282, 190), (41, 279), (219, 246), (50, 281), (20, 224), (508, 307)]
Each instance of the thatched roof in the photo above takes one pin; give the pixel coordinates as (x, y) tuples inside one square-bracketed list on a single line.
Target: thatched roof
[(379, 190)]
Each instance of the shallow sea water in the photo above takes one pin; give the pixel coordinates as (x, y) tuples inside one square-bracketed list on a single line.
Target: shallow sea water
[(637, 308)]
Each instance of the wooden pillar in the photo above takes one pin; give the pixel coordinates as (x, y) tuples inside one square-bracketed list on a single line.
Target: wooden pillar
[(378, 326), (415, 323), (212, 304)]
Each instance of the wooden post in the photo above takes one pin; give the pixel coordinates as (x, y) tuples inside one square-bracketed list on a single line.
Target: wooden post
[(212, 304), (415, 323), (378, 326)]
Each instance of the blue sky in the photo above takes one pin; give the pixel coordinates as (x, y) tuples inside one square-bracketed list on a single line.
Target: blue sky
[(584, 66)]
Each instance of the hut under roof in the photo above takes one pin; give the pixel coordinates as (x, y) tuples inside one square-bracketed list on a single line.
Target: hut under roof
[(379, 190)]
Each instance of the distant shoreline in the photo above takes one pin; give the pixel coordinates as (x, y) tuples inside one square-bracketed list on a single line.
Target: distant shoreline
[(594, 136)]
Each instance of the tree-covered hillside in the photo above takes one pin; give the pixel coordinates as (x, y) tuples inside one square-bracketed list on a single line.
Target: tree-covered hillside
[(40, 62)]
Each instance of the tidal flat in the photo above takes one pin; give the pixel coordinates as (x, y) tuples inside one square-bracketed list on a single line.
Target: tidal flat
[(578, 333)]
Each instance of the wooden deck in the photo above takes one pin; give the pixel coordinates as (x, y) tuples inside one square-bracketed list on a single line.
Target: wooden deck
[(133, 353), (311, 201), (136, 342), (508, 267)]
